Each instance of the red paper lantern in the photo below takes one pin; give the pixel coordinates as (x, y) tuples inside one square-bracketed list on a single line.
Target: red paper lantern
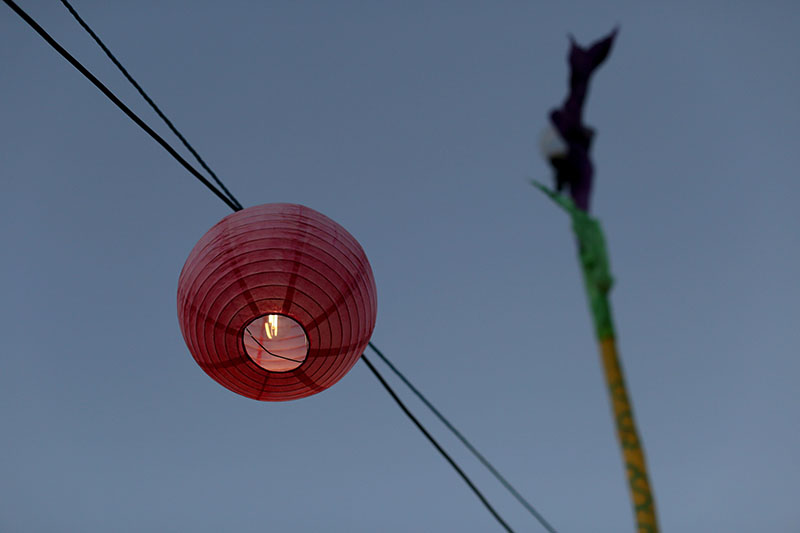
[(277, 302)]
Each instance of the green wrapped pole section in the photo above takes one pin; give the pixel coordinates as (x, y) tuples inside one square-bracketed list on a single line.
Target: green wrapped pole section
[(598, 282)]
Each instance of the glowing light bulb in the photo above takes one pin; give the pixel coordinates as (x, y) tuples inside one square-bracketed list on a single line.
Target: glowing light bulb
[(271, 326)]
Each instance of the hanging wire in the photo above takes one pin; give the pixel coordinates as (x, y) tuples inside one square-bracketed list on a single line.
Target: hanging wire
[(436, 445), (111, 96), (484, 461), (149, 100), (234, 204)]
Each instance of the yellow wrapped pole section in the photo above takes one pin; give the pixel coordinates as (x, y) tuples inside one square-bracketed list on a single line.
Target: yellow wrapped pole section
[(598, 282), (632, 453)]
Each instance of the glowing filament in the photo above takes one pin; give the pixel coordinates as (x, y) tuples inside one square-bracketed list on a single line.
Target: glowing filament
[(271, 326)]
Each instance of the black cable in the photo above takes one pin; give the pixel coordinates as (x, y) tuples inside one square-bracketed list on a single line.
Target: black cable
[(125, 109), (465, 442), (236, 206), (436, 445), (144, 95)]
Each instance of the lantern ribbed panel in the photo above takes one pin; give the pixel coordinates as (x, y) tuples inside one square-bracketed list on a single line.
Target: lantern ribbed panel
[(277, 259)]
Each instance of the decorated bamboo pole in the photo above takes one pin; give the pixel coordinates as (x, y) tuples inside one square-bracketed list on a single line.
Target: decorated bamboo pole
[(567, 145), (598, 282)]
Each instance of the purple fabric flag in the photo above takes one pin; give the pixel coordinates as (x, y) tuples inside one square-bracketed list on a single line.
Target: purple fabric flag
[(572, 164)]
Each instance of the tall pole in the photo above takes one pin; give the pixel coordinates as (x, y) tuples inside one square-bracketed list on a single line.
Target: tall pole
[(567, 144), (598, 282)]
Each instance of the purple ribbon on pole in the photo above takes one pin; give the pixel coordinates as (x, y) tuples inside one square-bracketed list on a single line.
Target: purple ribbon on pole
[(570, 160)]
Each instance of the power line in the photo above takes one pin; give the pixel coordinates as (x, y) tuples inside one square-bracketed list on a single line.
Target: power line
[(234, 204), (125, 109), (510, 488), (149, 100), (436, 445)]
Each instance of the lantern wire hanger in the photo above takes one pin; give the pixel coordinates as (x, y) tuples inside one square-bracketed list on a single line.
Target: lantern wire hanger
[(230, 200), (247, 329)]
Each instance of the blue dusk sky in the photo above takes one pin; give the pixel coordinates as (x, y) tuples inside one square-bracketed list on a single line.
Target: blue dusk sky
[(415, 125)]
